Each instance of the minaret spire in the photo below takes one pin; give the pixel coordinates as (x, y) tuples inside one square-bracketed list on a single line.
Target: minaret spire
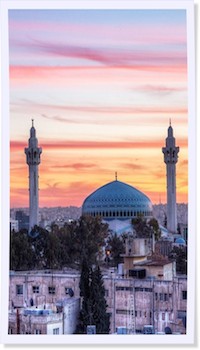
[(170, 152), (115, 175), (33, 153)]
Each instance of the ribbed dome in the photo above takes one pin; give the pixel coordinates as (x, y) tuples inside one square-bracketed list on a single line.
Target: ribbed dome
[(117, 200), (180, 240)]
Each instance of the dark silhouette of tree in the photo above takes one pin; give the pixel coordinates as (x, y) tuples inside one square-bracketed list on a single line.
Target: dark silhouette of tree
[(100, 317), (61, 247), (146, 229), (21, 253), (93, 302), (179, 254), (90, 239), (153, 223), (116, 248), (84, 285)]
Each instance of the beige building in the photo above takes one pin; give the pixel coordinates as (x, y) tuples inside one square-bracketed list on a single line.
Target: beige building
[(54, 318), (132, 302)]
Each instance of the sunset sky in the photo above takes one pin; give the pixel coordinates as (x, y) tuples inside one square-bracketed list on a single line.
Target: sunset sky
[(101, 86)]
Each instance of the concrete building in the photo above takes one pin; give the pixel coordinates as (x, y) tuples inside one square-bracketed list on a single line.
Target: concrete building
[(170, 152), (133, 302), (58, 318), (23, 219), (14, 225), (33, 153)]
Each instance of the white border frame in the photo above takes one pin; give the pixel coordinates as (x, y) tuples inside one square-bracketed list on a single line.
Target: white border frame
[(189, 338)]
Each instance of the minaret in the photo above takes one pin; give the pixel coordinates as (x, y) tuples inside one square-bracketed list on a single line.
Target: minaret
[(170, 159), (33, 160)]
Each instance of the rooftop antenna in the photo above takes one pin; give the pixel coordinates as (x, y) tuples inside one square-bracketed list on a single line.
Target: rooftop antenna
[(32, 122)]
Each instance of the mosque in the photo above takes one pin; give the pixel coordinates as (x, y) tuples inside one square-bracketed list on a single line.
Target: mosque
[(117, 203)]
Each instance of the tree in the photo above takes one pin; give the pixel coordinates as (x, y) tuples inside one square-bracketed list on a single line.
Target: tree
[(117, 248), (100, 317), (84, 285), (179, 254), (93, 305), (21, 253), (153, 223), (146, 229), (90, 238)]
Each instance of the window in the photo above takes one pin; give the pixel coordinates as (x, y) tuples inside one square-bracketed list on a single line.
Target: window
[(118, 288), (52, 290), (163, 316), (135, 313), (156, 296), (56, 331), (36, 289), (184, 294), (123, 312), (19, 289), (106, 293), (165, 297), (161, 296), (37, 331)]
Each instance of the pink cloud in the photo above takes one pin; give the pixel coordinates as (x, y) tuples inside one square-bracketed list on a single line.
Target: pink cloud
[(107, 56), (59, 144)]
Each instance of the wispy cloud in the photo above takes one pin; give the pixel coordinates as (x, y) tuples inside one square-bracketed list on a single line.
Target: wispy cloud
[(104, 56), (61, 144)]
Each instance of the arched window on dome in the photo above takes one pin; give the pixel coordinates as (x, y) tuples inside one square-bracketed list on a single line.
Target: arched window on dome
[(106, 214), (117, 213), (113, 213), (135, 213), (128, 213), (110, 214), (121, 213), (124, 213), (131, 213)]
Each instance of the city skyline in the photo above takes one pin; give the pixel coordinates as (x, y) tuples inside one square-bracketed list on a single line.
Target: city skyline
[(101, 99)]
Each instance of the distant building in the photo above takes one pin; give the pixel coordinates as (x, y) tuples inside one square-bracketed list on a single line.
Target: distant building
[(23, 220), (14, 225)]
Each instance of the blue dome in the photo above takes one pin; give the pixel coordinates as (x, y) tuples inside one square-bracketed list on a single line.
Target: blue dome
[(117, 200), (180, 240)]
